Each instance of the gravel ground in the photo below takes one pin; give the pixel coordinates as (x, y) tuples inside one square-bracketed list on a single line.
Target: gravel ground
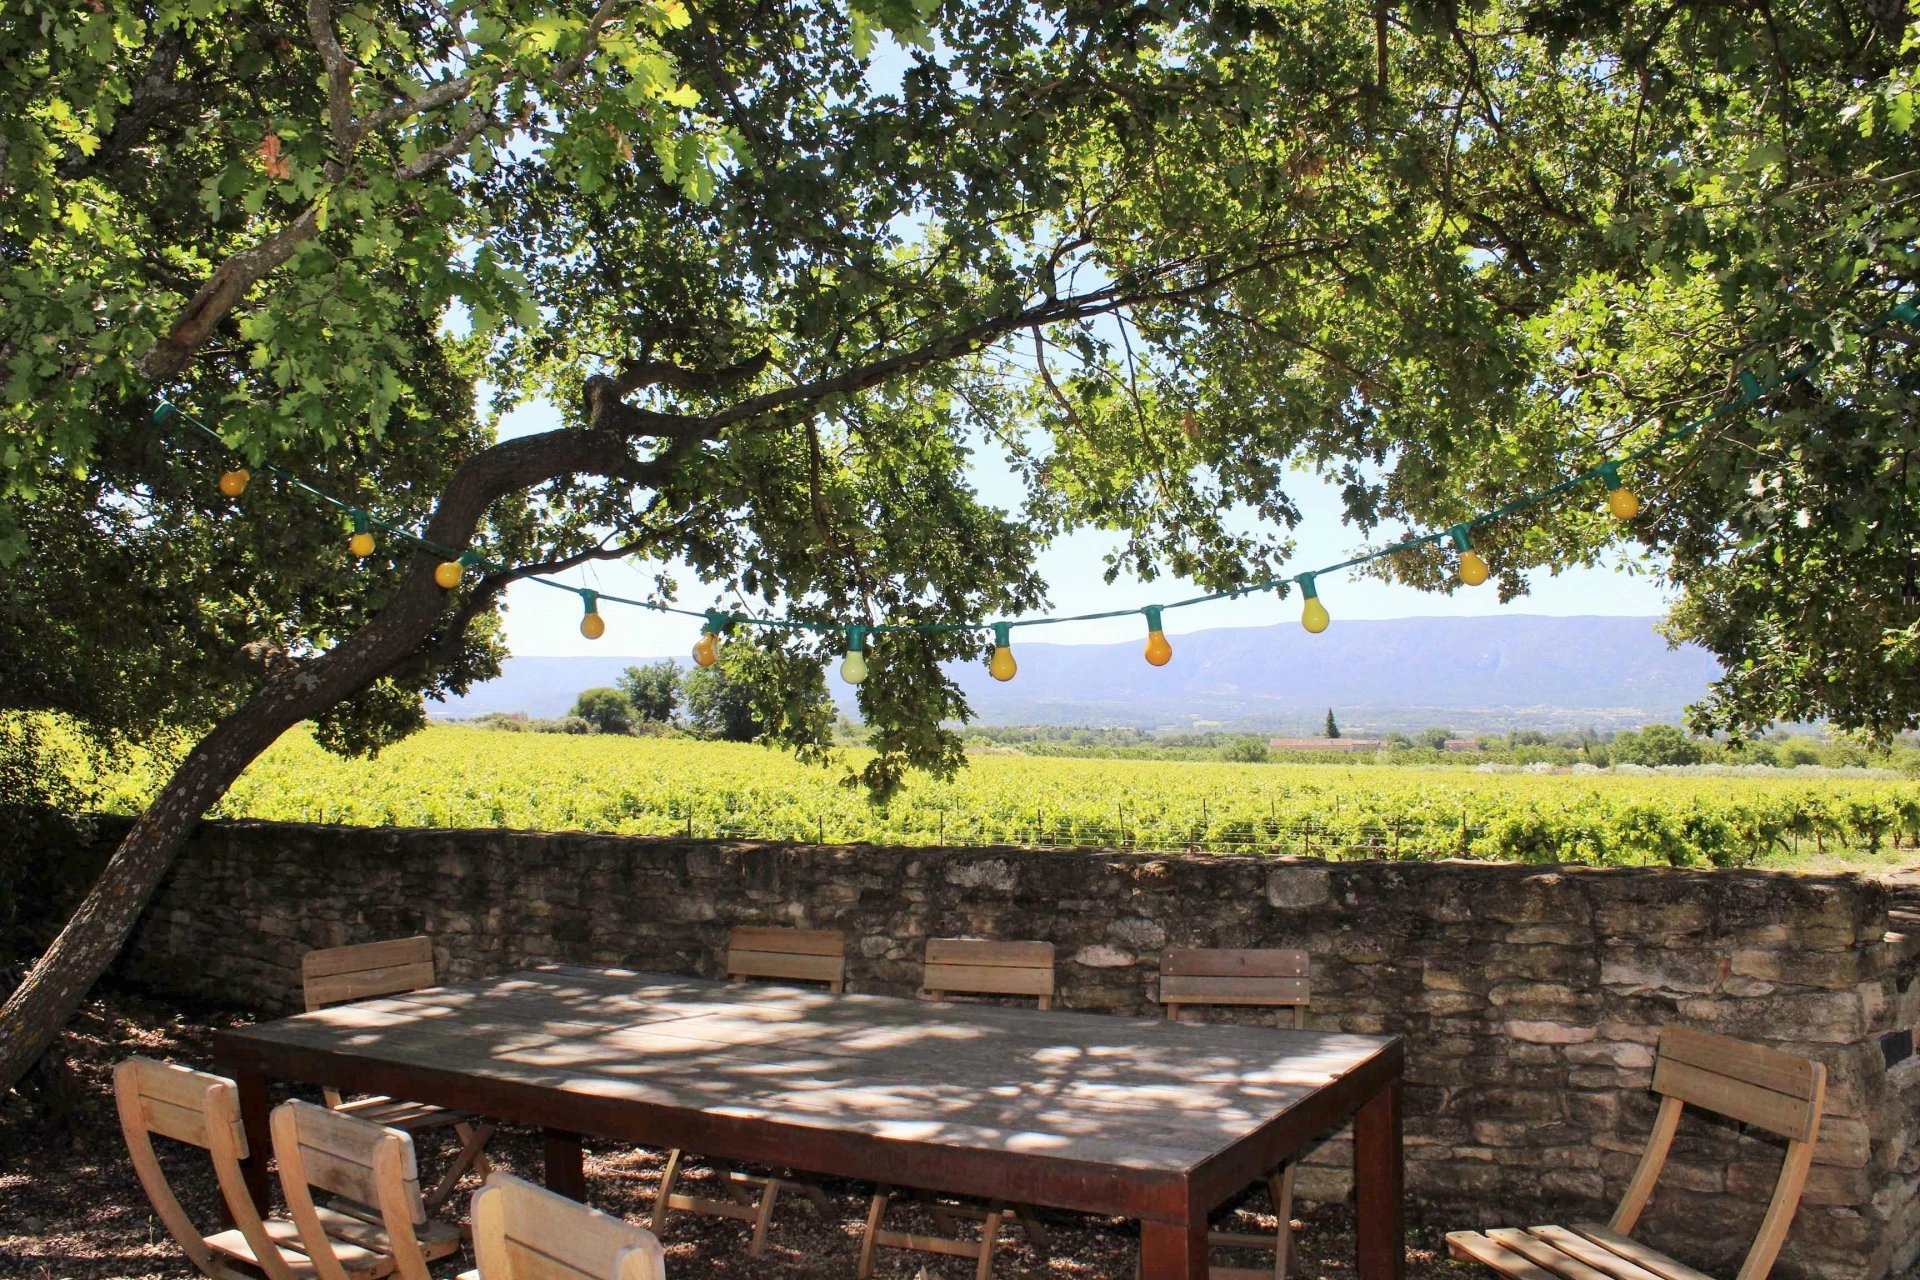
[(71, 1207)]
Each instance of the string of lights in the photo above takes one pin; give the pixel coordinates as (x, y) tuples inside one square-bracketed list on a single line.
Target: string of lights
[(1622, 503)]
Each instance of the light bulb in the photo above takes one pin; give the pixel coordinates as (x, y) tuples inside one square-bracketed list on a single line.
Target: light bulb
[(1314, 616), (1473, 570), (1158, 652), (361, 544), (1003, 667), (1621, 501), (447, 574), (706, 650), (234, 483), (593, 626), (853, 668)]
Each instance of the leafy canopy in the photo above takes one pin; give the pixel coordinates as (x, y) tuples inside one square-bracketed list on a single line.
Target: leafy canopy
[(1148, 260)]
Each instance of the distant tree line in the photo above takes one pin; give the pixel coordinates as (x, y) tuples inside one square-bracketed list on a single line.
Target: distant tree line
[(656, 699)]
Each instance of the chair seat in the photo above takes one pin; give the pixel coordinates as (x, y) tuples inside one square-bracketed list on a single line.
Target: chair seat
[(1588, 1251), (363, 1246), (396, 1113)]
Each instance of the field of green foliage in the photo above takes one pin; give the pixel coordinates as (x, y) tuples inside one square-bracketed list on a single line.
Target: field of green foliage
[(467, 777)]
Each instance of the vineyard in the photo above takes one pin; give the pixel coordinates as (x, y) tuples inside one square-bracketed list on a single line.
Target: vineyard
[(462, 777)]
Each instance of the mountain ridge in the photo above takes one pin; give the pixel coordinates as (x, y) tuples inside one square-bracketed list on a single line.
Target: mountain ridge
[(1470, 673)]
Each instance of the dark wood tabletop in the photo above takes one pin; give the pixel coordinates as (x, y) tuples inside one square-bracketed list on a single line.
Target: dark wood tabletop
[(1154, 1120)]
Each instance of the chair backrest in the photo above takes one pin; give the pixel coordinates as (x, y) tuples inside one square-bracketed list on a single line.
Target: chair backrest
[(204, 1111), (524, 1232), (789, 955), (1780, 1092), (1269, 979), (979, 967), (335, 974), (367, 1164)]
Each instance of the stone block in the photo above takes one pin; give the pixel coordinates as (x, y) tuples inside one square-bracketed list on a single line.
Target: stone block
[(1644, 969), (1832, 1017), (1298, 888), (1102, 956), (1541, 1032)]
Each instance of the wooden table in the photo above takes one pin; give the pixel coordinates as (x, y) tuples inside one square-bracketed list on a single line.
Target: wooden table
[(1147, 1119)]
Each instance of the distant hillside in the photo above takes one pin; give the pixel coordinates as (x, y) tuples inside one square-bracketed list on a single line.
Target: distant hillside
[(1468, 674)]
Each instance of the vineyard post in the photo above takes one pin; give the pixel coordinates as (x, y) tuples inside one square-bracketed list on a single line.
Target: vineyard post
[(821, 818), (943, 827), (1309, 827)]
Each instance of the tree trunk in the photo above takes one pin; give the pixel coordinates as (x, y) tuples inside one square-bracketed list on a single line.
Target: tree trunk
[(61, 978)]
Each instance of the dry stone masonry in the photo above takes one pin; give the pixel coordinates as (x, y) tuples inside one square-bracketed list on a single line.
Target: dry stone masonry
[(1530, 997)]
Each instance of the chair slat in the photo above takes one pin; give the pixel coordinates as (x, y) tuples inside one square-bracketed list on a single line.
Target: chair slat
[(1753, 1064), (798, 942), (173, 1101), (990, 952), (1542, 1254), (779, 964), (1788, 1116), (1218, 962), (346, 1137), (1271, 992), (1474, 1247), (524, 1232), (1575, 1245), (1633, 1251), (988, 980), (365, 984), (389, 953)]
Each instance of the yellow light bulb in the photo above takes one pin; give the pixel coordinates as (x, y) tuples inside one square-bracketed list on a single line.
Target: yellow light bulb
[(1473, 570), (853, 669), (234, 483), (1624, 504), (593, 626), (1314, 617), (706, 650), (447, 574), (1159, 652), (361, 544), (1003, 666)]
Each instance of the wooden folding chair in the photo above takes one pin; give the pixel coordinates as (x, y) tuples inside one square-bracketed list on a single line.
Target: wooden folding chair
[(335, 975), (377, 1224), (203, 1111), (524, 1232), (1265, 979), (782, 955), (1765, 1088), (967, 966)]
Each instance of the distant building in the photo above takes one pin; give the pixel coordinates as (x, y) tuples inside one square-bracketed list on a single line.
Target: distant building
[(1324, 744), (1462, 744)]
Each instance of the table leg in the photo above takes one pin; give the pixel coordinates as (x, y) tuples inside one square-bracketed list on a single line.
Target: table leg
[(1174, 1250), (565, 1172), (251, 1084), (1377, 1174)]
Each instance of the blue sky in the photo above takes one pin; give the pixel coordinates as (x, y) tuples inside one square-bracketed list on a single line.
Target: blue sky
[(541, 622)]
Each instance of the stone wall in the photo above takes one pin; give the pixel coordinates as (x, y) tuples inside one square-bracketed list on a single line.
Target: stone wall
[(1530, 997)]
